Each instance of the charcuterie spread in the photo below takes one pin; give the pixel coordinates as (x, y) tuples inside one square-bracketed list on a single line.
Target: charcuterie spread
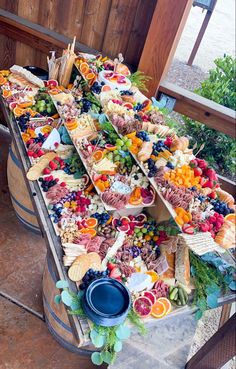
[(102, 153)]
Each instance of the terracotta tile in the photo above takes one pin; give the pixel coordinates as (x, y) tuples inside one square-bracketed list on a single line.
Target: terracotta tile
[(22, 253), (26, 343)]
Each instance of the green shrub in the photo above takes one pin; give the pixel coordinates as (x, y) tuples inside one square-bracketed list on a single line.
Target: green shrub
[(219, 150)]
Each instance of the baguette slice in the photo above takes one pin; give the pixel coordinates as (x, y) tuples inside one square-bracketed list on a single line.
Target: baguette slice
[(182, 265)]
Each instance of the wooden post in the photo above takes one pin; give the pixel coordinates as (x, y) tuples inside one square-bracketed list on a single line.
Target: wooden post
[(164, 33), (218, 350), (200, 35)]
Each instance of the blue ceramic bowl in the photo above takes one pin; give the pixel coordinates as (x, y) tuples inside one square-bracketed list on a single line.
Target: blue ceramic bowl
[(106, 302)]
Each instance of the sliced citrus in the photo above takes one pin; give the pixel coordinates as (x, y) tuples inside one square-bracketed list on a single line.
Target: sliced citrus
[(142, 305), (109, 220), (123, 69), (5, 72), (153, 275), (150, 296), (98, 155), (89, 231), (231, 218), (84, 68), (128, 105), (6, 93), (167, 304), (106, 88), (18, 111), (158, 309), (70, 125), (3, 80), (25, 104), (91, 222), (90, 76)]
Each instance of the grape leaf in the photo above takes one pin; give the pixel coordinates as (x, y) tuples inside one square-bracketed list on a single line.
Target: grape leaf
[(62, 284), (106, 357), (66, 298), (118, 346), (96, 358), (123, 332), (57, 299)]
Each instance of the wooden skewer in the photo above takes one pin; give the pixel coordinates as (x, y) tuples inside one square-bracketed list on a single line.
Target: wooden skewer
[(200, 149)]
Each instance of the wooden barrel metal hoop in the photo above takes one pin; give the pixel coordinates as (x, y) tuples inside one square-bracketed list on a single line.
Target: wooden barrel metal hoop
[(19, 193), (55, 314)]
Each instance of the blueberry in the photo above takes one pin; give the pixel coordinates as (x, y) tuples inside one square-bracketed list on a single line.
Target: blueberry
[(82, 286)]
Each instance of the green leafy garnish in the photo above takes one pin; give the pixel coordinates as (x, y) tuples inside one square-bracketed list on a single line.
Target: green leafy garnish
[(139, 79)]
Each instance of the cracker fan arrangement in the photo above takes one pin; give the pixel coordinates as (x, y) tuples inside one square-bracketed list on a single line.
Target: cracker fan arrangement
[(102, 154)]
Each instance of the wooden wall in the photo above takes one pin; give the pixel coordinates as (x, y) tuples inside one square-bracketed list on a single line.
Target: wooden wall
[(110, 26)]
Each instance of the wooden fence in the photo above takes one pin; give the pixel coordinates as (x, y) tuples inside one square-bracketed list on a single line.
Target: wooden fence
[(110, 26)]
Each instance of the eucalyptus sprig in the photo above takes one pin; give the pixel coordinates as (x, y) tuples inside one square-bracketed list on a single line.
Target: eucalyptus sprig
[(139, 80), (108, 339)]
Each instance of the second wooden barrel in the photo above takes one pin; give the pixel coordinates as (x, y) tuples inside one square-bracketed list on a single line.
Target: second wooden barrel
[(55, 314), (19, 193)]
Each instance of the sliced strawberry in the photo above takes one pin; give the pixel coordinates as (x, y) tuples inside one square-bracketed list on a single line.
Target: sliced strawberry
[(187, 228), (115, 273), (53, 165), (212, 195), (111, 266), (197, 172), (208, 183)]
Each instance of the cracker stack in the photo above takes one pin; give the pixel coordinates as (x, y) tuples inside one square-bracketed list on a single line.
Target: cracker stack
[(199, 243)]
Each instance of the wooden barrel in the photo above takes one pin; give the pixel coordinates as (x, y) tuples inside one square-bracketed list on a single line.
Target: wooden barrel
[(19, 193), (55, 314)]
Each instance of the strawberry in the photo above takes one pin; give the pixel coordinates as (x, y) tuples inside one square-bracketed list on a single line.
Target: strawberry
[(96, 177), (63, 184), (193, 163), (119, 279), (211, 174), (40, 153), (197, 172), (104, 177), (168, 141), (53, 165), (30, 153), (208, 183), (212, 195), (115, 273), (187, 228), (46, 171), (203, 180), (35, 155), (56, 144), (111, 266), (202, 163)]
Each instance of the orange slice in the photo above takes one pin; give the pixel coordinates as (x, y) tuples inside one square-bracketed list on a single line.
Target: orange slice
[(231, 218), (123, 69), (26, 104), (109, 220), (167, 304), (5, 72), (91, 222), (98, 155), (89, 231), (158, 309), (153, 275), (90, 76), (70, 125), (84, 68), (18, 111), (6, 93), (3, 80), (106, 88)]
